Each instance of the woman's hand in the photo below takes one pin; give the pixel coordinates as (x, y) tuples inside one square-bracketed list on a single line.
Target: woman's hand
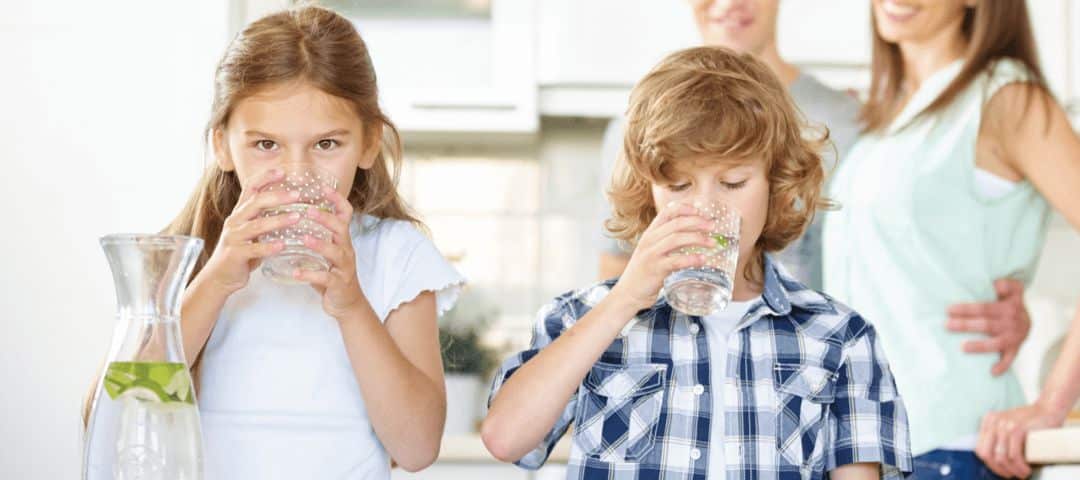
[(238, 251), (339, 287), (677, 226), (1002, 437)]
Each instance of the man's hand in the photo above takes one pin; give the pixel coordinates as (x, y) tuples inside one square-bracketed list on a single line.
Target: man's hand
[(1005, 321)]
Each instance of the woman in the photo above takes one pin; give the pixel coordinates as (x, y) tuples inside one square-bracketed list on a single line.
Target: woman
[(963, 153)]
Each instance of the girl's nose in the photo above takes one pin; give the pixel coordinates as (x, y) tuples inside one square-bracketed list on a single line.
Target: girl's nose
[(297, 156)]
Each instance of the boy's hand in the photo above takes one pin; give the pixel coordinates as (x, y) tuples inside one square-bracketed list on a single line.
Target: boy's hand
[(677, 226), (1005, 322)]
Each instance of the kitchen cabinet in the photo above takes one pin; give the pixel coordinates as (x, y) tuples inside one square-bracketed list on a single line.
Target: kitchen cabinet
[(500, 70), (462, 75), (591, 53), (444, 72)]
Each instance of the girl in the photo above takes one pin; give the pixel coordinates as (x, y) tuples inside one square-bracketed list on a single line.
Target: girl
[(963, 154), (325, 381)]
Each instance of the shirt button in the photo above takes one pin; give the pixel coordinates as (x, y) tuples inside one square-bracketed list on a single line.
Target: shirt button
[(695, 454), (699, 389), (946, 470), (694, 328)]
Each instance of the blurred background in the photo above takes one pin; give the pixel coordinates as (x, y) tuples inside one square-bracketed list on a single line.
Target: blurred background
[(503, 104)]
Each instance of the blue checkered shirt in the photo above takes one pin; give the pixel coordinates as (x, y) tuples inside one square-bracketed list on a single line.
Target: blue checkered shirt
[(807, 389)]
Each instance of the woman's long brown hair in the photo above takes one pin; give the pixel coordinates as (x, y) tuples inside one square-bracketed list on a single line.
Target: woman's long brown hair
[(993, 30)]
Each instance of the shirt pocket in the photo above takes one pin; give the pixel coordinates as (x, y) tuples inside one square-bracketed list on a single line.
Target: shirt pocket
[(804, 394), (618, 411)]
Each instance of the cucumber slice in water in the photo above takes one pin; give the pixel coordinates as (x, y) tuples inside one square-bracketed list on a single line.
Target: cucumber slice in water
[(158, 382)]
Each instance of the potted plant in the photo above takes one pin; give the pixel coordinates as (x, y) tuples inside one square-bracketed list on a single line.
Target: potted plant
[(467, 361)]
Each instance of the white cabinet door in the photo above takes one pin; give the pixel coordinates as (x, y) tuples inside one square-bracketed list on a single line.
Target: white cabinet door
[(834, 33), (615, 42), (449, 74), (592, 52), (458, 75), (608, 42)]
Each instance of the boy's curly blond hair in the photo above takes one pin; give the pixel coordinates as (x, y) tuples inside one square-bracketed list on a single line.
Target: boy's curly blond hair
[(711, 100)]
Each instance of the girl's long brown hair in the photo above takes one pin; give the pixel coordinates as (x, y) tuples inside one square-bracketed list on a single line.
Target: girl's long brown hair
[(993, 29), (307, 44)]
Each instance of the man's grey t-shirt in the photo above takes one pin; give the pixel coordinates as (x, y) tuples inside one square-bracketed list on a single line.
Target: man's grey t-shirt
[(836, 110)]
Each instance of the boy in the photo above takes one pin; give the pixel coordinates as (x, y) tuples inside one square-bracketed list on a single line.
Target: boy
[(784, 383)]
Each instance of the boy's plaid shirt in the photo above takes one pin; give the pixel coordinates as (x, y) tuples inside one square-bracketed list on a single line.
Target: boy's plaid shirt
[(807, 389)]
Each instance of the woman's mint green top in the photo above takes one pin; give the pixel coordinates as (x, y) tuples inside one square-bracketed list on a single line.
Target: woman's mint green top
[(913, 237)]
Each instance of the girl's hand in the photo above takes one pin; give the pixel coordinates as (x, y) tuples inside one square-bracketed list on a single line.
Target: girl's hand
[(339, 287), (677, 226), (1003, 434), (238, 251)]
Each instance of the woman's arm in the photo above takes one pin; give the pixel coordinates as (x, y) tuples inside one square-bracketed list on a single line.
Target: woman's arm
[(399, 370), (1036, 139)]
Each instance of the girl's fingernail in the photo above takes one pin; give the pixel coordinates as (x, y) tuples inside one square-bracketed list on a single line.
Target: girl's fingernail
[(294, 216)]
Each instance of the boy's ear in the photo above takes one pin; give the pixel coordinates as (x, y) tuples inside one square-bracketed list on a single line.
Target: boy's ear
[(372, 147), (221, 150)]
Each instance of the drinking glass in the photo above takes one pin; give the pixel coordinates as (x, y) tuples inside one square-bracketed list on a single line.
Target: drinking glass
[(706, 290), (309, 181)]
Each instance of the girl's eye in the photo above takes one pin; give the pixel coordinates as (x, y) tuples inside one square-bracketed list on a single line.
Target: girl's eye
[(266, 145), (326, 144), (734, 186), (678, 188)]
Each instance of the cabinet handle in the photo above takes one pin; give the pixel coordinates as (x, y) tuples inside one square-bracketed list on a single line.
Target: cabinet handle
[(491, 107)]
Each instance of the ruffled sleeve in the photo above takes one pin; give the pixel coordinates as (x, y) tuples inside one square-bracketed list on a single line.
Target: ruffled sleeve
[(411, 265)]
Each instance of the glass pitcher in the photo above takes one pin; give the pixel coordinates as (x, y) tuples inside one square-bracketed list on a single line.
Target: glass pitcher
[(143, 422)]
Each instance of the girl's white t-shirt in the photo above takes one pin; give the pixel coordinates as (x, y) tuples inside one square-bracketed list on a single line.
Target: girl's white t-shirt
[(278, 395)]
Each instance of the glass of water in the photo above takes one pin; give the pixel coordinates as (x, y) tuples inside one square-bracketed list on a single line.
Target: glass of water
[(706, 290), (309, 181)]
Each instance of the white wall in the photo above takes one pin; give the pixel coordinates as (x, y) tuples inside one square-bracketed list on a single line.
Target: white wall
[(101, 110)]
